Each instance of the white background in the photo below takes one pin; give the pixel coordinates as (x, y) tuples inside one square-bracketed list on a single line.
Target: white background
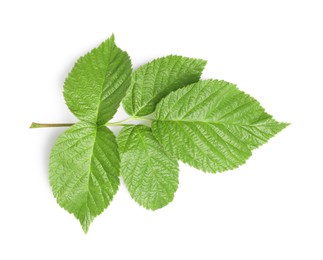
[(270, 208)]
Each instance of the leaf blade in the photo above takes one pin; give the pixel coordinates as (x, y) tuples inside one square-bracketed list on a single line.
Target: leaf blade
[(156, 79), (84, 171), (212, 125), (97, 83), (150, 175)]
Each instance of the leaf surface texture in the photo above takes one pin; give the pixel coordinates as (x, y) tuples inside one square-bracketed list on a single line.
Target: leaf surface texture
[(84, 170), (156, 79), (212, 125), (97, 83), (150, 175)]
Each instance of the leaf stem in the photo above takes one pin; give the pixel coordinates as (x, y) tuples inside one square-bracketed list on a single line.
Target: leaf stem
[(117, 123), (39, 125), (144, 119), (120, 122)]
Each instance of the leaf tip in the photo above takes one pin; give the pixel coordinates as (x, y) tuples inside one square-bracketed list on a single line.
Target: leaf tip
[(112, 38), (204, 62), (85, 226), (85, 229), (284, 124)]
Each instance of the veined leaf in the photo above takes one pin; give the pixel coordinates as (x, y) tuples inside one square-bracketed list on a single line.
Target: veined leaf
[(212, 125), (84, 170), (156, 79), (97, 83), (150, 175)]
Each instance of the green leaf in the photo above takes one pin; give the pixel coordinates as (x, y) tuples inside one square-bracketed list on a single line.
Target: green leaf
[(212, 125), (84, 170), (156, 79), (149, 173), (97, 83)]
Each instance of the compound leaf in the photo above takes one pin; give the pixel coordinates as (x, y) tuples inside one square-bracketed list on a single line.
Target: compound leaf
[(156, 79), (212, 125), (97, 83), (84, 170), (150, 175)]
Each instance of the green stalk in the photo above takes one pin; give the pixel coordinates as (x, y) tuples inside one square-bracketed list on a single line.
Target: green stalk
[(39, 125), (118, 123)]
